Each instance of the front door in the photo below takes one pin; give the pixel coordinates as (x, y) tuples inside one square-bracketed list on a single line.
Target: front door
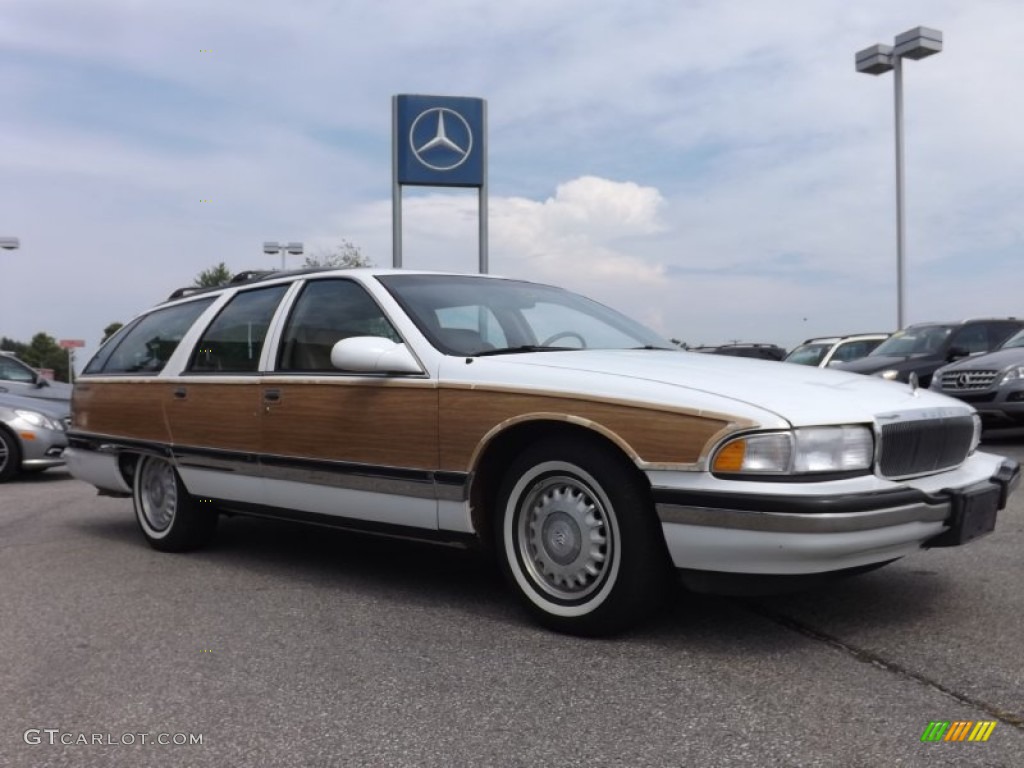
[(343, 444)]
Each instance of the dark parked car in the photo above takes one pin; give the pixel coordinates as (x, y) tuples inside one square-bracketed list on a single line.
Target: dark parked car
[(924, 347), (992, 383), (758, 351)]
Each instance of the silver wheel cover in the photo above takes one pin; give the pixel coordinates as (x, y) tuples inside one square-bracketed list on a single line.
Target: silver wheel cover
[(156, 491), (562, 539)]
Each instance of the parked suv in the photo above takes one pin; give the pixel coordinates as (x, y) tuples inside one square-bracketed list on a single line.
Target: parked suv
[(992, 383), (924, 347), (590, 455), (826, 350)]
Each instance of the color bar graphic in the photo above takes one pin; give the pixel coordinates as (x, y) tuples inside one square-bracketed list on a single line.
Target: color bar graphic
[(958, 730)]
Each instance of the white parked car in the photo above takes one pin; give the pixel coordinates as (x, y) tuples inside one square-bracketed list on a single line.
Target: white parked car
[(825, 350), (593, 456)]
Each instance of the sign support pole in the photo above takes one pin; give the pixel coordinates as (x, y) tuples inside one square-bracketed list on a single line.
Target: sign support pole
[(482, 208), (396, 191)]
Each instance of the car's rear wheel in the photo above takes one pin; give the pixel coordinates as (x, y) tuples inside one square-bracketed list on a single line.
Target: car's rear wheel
[(169, 517), (10, 455), (578, 539)]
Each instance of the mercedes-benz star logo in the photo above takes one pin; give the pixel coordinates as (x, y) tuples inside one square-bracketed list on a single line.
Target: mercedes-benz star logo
[(963, 380), (433, 145)]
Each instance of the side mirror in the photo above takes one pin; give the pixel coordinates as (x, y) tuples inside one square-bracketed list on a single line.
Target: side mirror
[(955, 353), (373, 354), (41, 382)]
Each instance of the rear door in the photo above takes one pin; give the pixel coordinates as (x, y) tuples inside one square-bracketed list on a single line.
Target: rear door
[(213, 408)]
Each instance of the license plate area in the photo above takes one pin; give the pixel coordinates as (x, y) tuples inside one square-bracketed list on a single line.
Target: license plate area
[(973, 516)]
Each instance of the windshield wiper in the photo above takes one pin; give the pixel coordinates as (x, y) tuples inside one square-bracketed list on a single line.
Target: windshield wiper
[(523, 348)]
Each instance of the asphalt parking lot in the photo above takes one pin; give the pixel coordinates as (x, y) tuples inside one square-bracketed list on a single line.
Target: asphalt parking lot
[(288, 646)]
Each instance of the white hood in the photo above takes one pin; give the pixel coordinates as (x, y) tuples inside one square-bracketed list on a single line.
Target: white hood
[(755, 389)]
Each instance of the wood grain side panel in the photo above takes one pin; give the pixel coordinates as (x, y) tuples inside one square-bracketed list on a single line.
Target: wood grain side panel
[(216, 415), (124, 409), (655, 437), (364, 423)]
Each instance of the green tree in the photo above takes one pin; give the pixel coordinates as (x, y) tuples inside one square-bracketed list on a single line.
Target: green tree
[(10, 345), (110, 330), (345, 255), (44, 352), (213, 277)]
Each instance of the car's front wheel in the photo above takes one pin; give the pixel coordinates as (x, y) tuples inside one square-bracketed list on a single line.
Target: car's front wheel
[(169, 517), (10, 455), (578, 539)]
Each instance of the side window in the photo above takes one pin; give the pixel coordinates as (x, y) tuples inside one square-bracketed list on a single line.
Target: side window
[(326, 312), (11, 370), (973, 338), (1000, 332), (853, 350), (149, 344), (234, 340)]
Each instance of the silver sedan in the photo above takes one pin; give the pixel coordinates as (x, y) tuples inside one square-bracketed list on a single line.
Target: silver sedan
[(32, 434)]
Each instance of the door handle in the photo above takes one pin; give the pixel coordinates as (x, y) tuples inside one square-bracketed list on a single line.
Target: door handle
[(271, 395), (180, 393)]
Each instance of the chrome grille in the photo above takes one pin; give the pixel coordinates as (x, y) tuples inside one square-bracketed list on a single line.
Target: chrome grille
[(964, 381), (909, 448)]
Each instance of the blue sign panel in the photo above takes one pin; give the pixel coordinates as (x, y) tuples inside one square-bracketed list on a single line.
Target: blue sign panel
[(440, 141)]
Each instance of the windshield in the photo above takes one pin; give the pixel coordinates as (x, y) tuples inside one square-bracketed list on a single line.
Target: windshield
[(1017, 340), (466, 315), (914, 341), (808, 354)]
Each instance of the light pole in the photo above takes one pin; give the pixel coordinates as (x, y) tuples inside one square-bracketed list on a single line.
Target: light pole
[(273, 247), (916, 43)]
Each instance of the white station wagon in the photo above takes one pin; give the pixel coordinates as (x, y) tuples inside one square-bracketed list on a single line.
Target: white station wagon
[(592, 456)]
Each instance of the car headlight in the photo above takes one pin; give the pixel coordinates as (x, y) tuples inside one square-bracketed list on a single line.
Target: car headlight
[(800, 451), (1014, 374), (889, 374), (37, 419), (976, 437)]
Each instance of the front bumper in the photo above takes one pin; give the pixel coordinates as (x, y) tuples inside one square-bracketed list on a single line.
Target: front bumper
[(41, 448), (792, 528)]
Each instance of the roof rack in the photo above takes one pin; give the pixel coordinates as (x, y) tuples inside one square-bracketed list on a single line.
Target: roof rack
[(246, 276)]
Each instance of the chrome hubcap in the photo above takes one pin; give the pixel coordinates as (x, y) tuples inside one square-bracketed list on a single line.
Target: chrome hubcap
[(159, 494), (3, 455), (564, 537)]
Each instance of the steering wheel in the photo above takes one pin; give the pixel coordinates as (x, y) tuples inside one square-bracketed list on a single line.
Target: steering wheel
[(563, 335)]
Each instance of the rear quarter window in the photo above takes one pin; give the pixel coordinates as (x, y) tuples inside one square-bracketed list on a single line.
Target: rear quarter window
[(148, 344)]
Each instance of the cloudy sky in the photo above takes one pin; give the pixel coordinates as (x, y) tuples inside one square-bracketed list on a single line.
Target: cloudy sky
[(716, 168)]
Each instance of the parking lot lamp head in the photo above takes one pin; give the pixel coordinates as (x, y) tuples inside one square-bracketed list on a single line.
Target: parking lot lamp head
[(272, 246)]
